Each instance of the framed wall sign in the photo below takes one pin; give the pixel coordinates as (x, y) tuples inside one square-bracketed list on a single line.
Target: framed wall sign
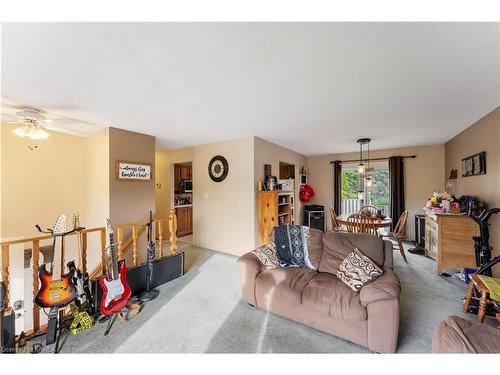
[(474, 165), (133, 171)]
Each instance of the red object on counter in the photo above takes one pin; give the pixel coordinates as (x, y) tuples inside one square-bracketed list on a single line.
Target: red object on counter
[(306, 193)]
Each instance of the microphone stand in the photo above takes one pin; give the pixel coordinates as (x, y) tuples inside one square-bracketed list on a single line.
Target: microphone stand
[(149, 294)]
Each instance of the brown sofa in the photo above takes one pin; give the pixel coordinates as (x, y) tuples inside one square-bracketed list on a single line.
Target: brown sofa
[(457, 335), (318, 299)]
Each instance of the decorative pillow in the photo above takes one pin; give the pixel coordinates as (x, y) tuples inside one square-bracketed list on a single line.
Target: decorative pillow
[(357, 270), (267, 255)]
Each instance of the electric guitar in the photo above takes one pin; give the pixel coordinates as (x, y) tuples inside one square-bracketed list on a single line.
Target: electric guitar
[(81, 280), (56, 289), (115, 290)]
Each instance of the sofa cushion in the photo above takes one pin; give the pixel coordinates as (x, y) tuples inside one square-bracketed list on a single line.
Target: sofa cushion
[(327, 295), (338, 245), (315, 246), (285, 284)]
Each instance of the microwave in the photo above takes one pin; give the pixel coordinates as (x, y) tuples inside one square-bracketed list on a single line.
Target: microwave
[(186, 186)]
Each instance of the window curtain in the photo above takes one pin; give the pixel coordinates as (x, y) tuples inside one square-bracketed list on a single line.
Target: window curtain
[(337, 186), (397, 184)]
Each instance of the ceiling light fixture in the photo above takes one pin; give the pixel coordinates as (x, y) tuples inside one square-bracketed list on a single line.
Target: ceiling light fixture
[(363, 167), (31, 130)]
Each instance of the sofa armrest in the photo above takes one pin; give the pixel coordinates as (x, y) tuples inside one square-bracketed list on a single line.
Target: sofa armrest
[(385, 287), (250, 267)]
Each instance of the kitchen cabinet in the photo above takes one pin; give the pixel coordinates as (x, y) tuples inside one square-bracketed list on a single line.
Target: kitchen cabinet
[(185, 172), (184, 220)]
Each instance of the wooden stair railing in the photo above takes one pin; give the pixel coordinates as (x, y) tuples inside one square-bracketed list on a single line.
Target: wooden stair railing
[(137, 229)]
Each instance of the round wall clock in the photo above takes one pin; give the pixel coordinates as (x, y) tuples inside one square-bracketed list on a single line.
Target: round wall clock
[(218, 168)]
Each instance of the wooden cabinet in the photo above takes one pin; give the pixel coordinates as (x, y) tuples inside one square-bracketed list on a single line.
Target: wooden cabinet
[(181, 172), (448, 239), (184, 220), (185, 171), (274, 208)]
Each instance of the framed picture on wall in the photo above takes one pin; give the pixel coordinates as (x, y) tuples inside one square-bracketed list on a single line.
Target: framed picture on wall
[(133, 171), (474, 165)]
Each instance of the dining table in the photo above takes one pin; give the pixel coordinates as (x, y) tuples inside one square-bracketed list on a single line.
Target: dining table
[(377, 222)]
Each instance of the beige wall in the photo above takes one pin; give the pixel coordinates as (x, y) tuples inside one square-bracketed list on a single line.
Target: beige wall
[(39, 185), (270, 153), (223, 213), (96, 190), (484, 135), (423, 175), (130, 200)]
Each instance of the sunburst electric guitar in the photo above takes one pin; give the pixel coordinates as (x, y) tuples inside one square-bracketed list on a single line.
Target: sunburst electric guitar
[(115, 290), (56, 289)]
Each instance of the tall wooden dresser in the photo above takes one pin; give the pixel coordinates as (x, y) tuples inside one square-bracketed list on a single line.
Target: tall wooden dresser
[(274, 208), (448, 240)]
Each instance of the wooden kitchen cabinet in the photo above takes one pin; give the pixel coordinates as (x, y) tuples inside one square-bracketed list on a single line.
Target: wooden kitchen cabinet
[(184, 221), (448, 240), (185, 172)]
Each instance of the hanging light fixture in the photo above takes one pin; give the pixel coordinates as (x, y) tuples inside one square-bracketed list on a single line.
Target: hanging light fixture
[(32, 130), (363, 168)]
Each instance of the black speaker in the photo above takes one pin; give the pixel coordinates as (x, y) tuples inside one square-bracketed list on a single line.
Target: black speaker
[(314, 217), (165, 269), (9, 332)]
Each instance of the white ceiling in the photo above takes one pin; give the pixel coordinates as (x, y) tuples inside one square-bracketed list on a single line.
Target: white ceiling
[(311, 87)]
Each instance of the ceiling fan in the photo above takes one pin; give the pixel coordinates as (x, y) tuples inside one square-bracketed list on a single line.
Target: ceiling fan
[(34, 122)]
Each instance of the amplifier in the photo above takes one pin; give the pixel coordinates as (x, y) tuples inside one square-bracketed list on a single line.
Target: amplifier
[(9, 331), (165, 269)]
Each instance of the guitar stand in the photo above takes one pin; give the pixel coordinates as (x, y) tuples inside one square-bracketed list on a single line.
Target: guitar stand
[(111, 320)]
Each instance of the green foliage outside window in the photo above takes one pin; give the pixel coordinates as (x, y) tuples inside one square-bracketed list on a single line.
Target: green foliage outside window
[(378, 193)]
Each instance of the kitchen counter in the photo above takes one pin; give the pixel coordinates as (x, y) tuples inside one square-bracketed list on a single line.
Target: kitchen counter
[(184, 205)]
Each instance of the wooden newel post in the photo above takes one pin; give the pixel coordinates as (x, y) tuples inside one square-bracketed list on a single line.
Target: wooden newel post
[(159, 228), (36, 265), (172, 226), (5, 272), (135, 251), (119, 238), (84, 251)]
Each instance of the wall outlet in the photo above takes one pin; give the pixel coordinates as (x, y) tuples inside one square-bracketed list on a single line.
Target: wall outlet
[(205, 195)]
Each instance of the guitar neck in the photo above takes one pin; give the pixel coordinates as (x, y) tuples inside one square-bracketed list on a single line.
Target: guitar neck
[(114, 260), (57, 258)]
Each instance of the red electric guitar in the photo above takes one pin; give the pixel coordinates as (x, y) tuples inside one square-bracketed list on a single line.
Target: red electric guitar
[(116, 292)]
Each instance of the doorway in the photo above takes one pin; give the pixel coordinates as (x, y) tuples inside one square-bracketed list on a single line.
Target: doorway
[(182, 199)]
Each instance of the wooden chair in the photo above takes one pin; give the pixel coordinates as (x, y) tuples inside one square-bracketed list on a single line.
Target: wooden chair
[(399, 233), (368, 211), (335, 224), (358, 223)]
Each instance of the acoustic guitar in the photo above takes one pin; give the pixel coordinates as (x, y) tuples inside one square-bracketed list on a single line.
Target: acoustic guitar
[(115, 291), (56, 289)]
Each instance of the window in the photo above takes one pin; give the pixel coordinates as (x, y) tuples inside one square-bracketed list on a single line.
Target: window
[(376, 195)]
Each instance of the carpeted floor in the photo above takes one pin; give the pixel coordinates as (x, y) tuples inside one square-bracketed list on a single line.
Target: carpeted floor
[(203, 312)]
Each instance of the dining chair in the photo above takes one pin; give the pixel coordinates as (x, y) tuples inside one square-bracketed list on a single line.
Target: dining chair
[(398, 234), (368, 210), (359, 223), (335, 224)]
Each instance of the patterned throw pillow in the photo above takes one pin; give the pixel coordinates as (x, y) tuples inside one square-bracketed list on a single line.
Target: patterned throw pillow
[(357, 270), (267, 255)]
